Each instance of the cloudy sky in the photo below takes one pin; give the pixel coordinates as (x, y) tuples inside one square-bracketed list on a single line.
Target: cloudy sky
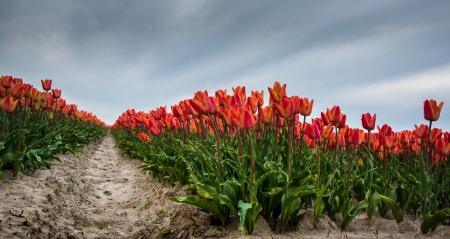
[(383, 57)]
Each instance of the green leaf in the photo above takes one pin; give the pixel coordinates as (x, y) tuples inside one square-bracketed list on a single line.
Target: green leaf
[(247, 216), (175, 172), (350, 213), (13, 157), (431, 222), (201, 203)]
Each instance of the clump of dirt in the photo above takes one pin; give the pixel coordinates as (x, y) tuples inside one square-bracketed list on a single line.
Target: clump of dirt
[(102, 194)]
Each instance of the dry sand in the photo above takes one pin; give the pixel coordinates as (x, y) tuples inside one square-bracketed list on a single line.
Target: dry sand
[(101, 194)]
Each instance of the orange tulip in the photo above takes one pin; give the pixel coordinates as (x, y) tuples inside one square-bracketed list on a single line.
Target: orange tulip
[(18, 81), (7, 81), (200, 102), (259, 96), (442, 147), (334, 115), (360, 162), (387, 141), (18, 91), (285, 109), (221, 96), (435, 134), (155, 130), (252, 102), (2, 91), (9, 104), (326, 132), (306, 106), (144, 137), (240, 90), (376, 146), (341, 140), (234, 118), (277, 93), (431, 110), (46, 84), (368, 121), (265, 114)]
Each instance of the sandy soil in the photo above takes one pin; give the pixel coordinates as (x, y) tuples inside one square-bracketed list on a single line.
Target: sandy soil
[(101, 194)]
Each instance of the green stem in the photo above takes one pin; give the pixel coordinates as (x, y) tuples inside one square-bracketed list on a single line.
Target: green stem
[(252, 166), (427, 164)]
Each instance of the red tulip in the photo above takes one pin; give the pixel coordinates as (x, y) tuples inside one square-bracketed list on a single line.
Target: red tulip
[(246, 118), (431, 110), (312, 131), (341, 140), (310, 142), (46, 84), (442, 147), (56, 93), (357, 137), (368, 121), (7, 81), (334, 115), (421, 131), (144, 137), (343, 122), (18, 91), (325, 119)]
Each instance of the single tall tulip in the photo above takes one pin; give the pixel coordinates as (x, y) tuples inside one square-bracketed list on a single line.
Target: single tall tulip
[(431, 110), (368, 121), (46, 84)]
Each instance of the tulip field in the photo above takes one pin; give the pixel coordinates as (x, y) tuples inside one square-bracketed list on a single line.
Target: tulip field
[(236, 157), (241, 158), (37, 125)]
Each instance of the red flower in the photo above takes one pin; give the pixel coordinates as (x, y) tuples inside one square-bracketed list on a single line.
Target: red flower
[(8, 104), (7, 81), (46, 84), (368, 121), (334, 115), (442, 147), (144, 137), (431, 110), (56, 93)]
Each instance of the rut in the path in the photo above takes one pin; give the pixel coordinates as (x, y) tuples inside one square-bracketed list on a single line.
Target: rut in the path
[(101, 194)]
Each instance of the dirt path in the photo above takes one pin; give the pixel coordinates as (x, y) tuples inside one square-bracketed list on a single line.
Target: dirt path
[(101, 194)]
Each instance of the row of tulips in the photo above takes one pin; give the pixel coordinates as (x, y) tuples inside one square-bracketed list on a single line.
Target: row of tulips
[(35, 125), (247, 159)]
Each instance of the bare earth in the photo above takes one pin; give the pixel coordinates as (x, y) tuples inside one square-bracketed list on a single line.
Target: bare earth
[(101, 194)]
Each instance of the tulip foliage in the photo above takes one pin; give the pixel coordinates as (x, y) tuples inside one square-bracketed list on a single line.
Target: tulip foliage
[(244, 159), (36, 125)]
